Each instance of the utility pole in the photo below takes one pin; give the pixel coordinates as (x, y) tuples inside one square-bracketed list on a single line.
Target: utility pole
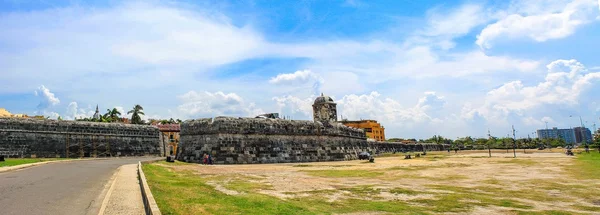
[(489, 139), (514, 142)]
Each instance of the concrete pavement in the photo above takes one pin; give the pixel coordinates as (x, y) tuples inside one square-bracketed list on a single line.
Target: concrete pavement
[(75, 187), (125, 195)]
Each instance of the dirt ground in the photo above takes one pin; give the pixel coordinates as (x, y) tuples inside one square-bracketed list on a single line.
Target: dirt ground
[(538, 179)]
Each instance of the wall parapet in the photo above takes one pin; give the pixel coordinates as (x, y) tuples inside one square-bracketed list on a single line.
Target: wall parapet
[(262, 126), (75, 127)]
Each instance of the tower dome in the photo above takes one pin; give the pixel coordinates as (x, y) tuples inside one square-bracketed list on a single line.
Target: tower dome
[(323, 99)]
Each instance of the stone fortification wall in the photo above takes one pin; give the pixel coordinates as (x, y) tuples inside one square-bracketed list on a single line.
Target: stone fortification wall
[(255, 140), (21, 137)]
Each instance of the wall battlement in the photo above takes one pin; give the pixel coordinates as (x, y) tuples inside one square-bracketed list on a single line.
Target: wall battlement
[(238, 125), (22, 137)]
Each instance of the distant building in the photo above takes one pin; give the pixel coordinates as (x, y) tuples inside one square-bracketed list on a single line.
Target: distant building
[(580, 132), (372, 128), (170, 137), (567, 134), (269, 116), (4, 113), (96, 114)]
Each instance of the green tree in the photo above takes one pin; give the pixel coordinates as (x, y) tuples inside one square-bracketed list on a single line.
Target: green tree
[(481, 143), (596, 142), (112, 115), (557, 142), (135, 114), (104, 119)]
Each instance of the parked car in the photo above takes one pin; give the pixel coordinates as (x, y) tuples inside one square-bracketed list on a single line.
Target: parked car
[(364, 156)]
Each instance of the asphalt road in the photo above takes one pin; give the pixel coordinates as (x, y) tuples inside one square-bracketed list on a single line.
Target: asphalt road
[(76, 187)]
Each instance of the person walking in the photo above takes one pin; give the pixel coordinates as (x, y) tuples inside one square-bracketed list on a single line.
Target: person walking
[(587, 149), (210, 159), (205, 159)]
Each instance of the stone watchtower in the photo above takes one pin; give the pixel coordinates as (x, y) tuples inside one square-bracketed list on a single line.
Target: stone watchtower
[(324, 109)]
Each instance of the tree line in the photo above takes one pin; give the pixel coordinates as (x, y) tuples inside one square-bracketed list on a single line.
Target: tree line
[(114, 116), (498, 142)]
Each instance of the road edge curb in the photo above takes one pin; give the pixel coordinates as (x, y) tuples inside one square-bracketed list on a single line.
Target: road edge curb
[(150, 205), (109, 192)]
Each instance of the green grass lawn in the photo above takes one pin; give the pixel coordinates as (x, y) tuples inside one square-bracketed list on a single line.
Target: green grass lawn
[(19, 161), (587, 166), (187, 192)]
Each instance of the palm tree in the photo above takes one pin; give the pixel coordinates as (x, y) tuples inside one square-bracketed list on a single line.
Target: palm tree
[(114, 114), (135, 114)]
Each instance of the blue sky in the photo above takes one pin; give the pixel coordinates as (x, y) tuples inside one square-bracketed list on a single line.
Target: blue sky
[(451, 68)]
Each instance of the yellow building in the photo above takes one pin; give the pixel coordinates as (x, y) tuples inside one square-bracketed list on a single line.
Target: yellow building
[(170, 137), (372, 128), (4, 113)]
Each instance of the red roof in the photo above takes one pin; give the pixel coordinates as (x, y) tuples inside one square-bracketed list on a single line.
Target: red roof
[(169, 127)]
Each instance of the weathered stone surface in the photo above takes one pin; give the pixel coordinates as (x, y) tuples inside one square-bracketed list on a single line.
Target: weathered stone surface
[(21, 137), (257, 140)]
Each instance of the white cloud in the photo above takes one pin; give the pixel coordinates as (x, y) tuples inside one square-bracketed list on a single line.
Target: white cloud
[(295, 107), (74, 112), (181, 36), (48, 98), (457, 22), (388, 110), (444, 25), (459, 65), (207, 104), (540, 24), (298, 77), (565, 81), (531, 121), (431, 102)]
